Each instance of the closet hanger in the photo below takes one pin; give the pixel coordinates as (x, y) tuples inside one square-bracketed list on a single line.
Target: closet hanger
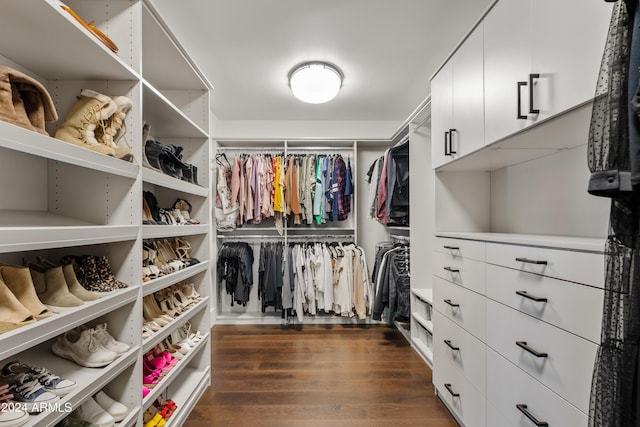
[(219, 162)]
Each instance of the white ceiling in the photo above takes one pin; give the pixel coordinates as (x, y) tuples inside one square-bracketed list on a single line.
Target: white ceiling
[(387, 49)]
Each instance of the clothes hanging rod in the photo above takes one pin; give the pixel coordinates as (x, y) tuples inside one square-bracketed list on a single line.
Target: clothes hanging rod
[(320, 236), (241, 237), (269, 149), (327, 148), (401, 238)]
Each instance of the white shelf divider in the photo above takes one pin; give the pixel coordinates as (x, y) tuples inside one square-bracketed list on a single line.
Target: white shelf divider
[(163, 180), (428, 325), (19, 139), (166, 330), (174, 373), (164, 231), (425, 295), (18, 340), (169, 121), (173, 278), (89, 380), (194, 382)]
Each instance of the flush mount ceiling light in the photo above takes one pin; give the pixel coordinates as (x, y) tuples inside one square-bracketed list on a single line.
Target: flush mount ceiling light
[(315, 82)]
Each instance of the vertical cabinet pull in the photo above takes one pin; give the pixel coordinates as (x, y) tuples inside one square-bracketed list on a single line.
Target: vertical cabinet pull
[(452, 304), (447, 136), (523, 345), (525, 294), (523, 408), (531, 109), (520, 115), (451, 346), (451, 131), (450, 390)]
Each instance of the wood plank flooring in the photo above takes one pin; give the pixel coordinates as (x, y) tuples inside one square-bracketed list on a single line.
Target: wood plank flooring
[(317, 375)]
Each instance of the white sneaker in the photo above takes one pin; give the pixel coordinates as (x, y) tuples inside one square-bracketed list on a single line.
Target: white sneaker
[(50, 382), (91, 412), (83, 348), (30, 394), (13, 418), (108, 341), (116, 409)]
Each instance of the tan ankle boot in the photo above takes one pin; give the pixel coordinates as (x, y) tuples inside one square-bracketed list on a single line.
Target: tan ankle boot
[(12, 313), (91, 110), (52, 288), (75, 287), (113, 128), (24, 101), (19, 282)]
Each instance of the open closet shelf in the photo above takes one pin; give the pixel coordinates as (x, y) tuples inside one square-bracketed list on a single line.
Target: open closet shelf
[(424, 350), (17, 340), (425, 295), (131, 419), (32, 230), (562, 242), (163, 60), (194, 382), (158, 178), (166, 330), (167, 120), (25, 141), (174, 373), (89, 380), (541, 139), (160, 231), (73, 53), (173, 278), (427, 324)]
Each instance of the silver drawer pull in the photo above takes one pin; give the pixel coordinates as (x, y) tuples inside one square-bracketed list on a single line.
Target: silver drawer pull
[(531, 297), (450, 390), (523, 408), (523, 345), (531, 261)]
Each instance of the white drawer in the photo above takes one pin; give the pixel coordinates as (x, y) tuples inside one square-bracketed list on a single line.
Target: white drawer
[(570, 306), (568, 367), (460, 248), (579, 267), (508, 386), (469, 405), (464, 307), (462, 271), (466, 353)]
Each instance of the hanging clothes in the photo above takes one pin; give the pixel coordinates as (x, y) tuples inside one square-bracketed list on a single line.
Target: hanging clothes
[(234, 268), (392, 283), (388, 178)]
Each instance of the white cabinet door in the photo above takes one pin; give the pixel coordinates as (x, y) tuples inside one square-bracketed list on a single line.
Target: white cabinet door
[(567, 42), (507, 61), (441, 114), (467, 133)]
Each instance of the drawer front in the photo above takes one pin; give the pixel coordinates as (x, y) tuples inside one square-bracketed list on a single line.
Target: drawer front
[(470, 404), (464, 307), (568, 367), (579, 267), (461, 349), (460, 248), (508, 386), (462, 271), (570, 306)]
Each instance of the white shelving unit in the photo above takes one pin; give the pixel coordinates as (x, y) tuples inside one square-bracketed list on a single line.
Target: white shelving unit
[(422, 323), (60, 199)]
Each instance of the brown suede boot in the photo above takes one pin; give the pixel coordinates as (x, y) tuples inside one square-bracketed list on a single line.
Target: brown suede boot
[(18, 279), (92, 109), (24, 101)]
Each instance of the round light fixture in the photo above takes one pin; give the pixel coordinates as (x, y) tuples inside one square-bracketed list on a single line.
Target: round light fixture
[(315, 82)]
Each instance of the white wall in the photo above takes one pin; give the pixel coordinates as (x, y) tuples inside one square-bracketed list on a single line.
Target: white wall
[(548, 196), (303, 129)]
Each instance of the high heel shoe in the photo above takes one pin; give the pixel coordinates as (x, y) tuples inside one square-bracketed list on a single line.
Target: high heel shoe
[(147, 218), (150, 314)]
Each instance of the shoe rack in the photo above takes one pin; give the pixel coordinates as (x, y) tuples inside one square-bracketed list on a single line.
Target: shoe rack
[(60, 199)]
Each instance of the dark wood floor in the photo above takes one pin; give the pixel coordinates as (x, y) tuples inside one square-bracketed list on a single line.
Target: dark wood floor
[(320, 375)]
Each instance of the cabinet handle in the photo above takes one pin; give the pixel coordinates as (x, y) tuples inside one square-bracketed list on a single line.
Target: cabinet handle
[(450, 390), (531, 261), (452, 270), (531, 297), (446, 143), (452, 248), (531, 77), (523, 345), (523, 408), (451, 131), (448, 301), (520, 116), (451, 346)]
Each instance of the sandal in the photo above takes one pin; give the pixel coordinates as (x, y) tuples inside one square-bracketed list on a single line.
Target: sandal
[(93, 30)]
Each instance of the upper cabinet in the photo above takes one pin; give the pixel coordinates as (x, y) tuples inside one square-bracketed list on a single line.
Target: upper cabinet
[(527, 61), (457, 103), (541, 58)]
